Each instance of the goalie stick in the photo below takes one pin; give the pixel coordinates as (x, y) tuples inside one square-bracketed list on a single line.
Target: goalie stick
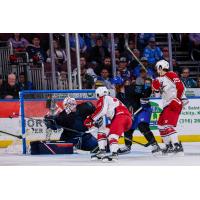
[(17, 136)]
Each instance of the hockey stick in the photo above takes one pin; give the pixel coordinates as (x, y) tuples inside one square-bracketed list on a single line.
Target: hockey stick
[(144, 145), (127, 47), (137, 111), (17, 136)]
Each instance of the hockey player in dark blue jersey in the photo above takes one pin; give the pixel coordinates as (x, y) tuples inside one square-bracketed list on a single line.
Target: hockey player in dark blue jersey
[(137, 97)]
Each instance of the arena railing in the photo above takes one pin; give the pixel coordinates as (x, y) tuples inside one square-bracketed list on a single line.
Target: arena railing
[(5, 51)]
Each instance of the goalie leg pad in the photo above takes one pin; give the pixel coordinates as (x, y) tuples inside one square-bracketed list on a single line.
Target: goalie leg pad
[(40, 147)]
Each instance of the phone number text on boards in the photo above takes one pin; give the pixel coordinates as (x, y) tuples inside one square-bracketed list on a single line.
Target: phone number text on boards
[(189, 121)]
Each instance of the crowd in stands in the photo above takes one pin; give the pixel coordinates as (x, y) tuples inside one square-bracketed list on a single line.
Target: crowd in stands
[(95, 60)]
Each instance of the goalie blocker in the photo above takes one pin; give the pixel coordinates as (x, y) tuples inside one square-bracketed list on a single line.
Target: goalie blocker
[(50, 147)]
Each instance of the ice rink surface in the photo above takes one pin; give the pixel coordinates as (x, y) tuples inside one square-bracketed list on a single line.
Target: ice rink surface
[(138, 156)]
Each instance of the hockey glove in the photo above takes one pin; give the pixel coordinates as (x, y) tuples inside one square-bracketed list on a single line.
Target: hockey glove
[(50, 122), (156, 85), (99, 122), (144, 102), (89, 123), (185, 101)]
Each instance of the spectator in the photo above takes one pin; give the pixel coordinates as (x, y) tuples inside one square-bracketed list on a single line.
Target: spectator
[(23, 83), (62, 80), (174, 63), (10, 89), (107, 42), (141, 79), (194, 39), (19, 43), (87, 79), (106, 79), (188, 82), (107, 64), (98, 84), (194, 44), (59, 55), (98, 52), (121, 92), (117, 53), (90, 39), (166, 56), (35, 50), (152, 52), (122, 71), (1, 85), (89, 69), (150, 71), (142, 40), (198, 82), (82, 44)]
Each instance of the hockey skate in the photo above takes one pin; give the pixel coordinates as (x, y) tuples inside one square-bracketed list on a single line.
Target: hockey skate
[(124, 150), (178, 149), (168, 149), (99, 155), (156, 150), (109, 158)]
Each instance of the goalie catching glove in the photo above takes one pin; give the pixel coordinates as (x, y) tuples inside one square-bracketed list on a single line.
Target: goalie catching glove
[(50, 122)]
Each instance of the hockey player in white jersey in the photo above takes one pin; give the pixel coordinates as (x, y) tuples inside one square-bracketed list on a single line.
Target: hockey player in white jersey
[(121, 121), (173, 95)]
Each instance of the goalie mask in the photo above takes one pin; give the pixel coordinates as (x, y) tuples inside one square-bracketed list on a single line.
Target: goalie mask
[(69, 104), (161, 65), (101, 91)]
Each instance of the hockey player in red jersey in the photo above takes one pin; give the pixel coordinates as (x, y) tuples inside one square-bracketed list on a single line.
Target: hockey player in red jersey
[(173, 95), (121, 121)]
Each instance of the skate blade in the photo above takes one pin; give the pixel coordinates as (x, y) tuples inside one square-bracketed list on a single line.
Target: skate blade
[(124, 153), (105, 160), (95, 159), (157, 154), (167, 154), (179, 154)]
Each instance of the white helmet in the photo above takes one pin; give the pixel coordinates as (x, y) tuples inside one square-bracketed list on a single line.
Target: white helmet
[(69, 104), (162, 64), (101, 91)]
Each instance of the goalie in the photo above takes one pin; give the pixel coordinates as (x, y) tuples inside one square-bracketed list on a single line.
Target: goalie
[(72, 117)]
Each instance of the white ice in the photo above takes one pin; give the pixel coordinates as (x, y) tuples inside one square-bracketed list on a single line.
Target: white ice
[(138, 156)]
